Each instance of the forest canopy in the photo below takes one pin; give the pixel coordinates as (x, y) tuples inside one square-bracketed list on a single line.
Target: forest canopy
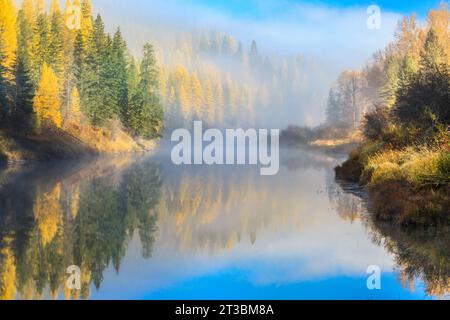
[(57, 73)]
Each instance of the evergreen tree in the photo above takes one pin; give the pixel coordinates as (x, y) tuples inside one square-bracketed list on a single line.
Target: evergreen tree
[(145, 111), (424, 102), (120, 75), (41, 53), (24, 93), (79, 56), (96, 77), (56, 45), (132, 78), (389, 88)]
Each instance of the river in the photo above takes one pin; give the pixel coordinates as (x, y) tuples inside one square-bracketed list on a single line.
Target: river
[(143, 228)]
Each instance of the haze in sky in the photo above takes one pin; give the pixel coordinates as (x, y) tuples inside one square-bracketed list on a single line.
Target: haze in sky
[(331, 30), (330, 34)]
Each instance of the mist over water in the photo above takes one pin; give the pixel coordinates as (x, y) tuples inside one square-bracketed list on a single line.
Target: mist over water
[(144, 228)]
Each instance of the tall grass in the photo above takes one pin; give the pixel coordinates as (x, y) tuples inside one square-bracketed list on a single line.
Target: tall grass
[(418, 166)]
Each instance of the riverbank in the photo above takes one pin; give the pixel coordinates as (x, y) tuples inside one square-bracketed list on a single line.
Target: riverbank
[(71, 143), (410, 186), (326, 139)]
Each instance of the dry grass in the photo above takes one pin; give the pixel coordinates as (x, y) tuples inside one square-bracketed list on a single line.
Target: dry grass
[(351, 138), (111, 140), (416, 166)]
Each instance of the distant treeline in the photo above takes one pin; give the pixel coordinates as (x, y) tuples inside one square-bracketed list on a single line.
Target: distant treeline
[(409, 78)]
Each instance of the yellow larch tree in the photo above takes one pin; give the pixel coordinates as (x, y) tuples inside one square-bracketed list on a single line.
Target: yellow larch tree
[(182, 79), (55, 7), (439, 20), (197, 96), (8, 34), (29, 10), (48, 213), (87, 24), (7, 271), (220, 101), (210, 102), (410, 38), (40, 6), (75, 110), (47, 102), (164, 83)]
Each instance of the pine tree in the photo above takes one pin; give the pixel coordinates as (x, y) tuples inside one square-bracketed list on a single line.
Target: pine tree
[(41, 53), (389, 88), (407, 74), (133, 78), (145, 111), (24, 93), (56, 45), (23, 90), (424, 102), (120, 75), (433, 57), (79, 56), (47, 104), (96, 77)]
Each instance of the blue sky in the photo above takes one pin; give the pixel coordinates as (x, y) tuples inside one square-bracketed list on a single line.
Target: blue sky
[(250, 8)]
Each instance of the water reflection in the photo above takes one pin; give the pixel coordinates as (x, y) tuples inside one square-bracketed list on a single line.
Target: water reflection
[(83, 214), (420, 255), (142, 228)]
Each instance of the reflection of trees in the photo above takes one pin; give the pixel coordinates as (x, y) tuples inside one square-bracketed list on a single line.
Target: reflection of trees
[(346, 200), (423, 254), (213, 210), (84, 217), (419, 254)]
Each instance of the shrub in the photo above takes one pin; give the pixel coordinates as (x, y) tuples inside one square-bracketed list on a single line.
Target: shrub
[(375, 122)]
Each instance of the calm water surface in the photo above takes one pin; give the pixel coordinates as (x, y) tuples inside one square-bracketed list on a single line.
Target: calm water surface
[(145, 229)]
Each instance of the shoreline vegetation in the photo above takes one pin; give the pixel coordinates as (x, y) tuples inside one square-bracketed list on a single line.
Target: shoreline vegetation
[(404, 160), (66, 92), (324, 138), (393, 119)]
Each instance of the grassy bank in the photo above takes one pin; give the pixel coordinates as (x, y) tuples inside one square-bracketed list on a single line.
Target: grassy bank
[(406, 186), (71, 143)]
